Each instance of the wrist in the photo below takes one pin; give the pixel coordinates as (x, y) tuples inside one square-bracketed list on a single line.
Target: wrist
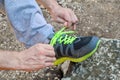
[(9, 60), (50, 5)]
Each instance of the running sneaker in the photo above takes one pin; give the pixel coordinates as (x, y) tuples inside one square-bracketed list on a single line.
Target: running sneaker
[(75, 49)]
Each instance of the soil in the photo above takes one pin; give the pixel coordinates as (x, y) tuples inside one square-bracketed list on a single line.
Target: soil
[(96, 17)]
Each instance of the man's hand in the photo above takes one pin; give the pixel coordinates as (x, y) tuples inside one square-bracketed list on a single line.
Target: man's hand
[(34, 58), (59, 14), (65, 16), (37, 57)]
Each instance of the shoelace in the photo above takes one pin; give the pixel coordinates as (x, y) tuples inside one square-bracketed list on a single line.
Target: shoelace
[(66, 39)]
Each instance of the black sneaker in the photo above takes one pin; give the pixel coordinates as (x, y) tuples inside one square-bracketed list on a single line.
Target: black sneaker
[(75, 49)]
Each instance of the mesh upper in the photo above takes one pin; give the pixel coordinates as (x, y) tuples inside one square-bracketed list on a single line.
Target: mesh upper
[(70, 49)]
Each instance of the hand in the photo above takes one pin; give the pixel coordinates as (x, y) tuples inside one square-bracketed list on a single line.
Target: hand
[(37, 57), (65, 16)]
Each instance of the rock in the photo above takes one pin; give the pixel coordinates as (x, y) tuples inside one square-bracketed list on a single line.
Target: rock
[(95, 17), (103, 65), (65, 67)]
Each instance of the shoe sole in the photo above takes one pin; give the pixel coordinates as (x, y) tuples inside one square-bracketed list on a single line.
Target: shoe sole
[(63, 59)]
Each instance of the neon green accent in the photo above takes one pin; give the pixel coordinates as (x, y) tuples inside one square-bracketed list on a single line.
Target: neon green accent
[(63, 59), (66, 40)]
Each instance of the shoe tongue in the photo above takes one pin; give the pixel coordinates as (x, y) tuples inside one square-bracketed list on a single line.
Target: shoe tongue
[(77, 40), (81, 41), (77, 43)]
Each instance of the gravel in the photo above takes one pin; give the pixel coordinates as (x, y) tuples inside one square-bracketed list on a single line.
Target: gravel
[(96, 17)]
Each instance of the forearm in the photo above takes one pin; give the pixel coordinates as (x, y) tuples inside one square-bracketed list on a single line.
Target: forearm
[(49, 4), (8, 60)]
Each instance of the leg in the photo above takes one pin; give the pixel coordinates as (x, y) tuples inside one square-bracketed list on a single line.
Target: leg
[(28, 22)]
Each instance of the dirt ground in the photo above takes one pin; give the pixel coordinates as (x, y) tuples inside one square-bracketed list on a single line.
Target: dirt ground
[(96, 17)]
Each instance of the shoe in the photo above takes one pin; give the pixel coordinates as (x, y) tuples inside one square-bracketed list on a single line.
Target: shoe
[(75, 49)]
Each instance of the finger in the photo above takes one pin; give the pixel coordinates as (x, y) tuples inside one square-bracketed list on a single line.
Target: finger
[(67, 17), (74, 27), (75, 18), (50, 53), (72, 16), (59, 20), (49, 64), (69, 24), (48, 47), (50, 59), (66, 24)]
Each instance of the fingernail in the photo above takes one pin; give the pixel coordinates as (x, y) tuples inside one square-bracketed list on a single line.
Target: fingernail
[(65, 24)]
